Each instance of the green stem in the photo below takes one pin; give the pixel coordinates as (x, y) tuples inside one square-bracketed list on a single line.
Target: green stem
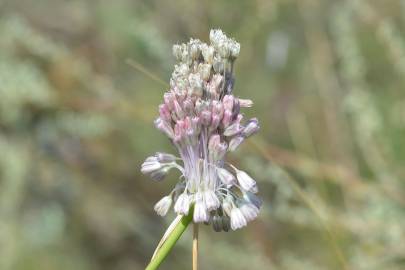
[(171, 240)]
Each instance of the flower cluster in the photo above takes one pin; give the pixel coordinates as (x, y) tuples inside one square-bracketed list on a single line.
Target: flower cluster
[(202, 118)]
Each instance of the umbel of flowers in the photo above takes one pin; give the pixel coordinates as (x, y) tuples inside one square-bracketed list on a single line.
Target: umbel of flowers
[(202, 118)]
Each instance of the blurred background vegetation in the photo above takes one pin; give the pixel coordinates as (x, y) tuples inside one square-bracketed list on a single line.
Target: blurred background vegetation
[(328, 82)]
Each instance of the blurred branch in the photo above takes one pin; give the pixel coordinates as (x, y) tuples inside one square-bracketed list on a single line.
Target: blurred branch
[(303, 164), (139, 67), (321, 59), (316, 170), (330, 235)]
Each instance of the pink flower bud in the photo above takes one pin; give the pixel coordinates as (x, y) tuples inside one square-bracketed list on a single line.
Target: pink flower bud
[(180, 96), (164, 113), (189, 131), (228, 101), (227, 118), (215, 122), (214, 142), (164, 127), (221, 151), (178, 110), (195, 123), (205, 117), (251, 128), (217, 108), (188, 106), (168, 98), (187, 122), (199, 106), (179, 130), (216, 149), (233, 129)]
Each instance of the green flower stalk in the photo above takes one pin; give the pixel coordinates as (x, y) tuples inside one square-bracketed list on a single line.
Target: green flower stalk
[(168, 243)]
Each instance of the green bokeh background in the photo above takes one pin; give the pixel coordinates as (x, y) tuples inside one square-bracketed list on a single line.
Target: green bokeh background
[(76, 122)]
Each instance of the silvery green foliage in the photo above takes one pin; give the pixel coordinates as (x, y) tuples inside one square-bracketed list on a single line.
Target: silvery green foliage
[(202, 118), (37, 128)]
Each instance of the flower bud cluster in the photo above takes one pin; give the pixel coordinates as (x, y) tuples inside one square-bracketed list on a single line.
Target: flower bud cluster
[(202, 118)]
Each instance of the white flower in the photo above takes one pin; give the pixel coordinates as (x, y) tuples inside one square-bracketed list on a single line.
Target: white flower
[(177, 51), (159, 165), (245, 181), (211, 200), (200, 210), (205, 71), (162, 206), (235, 49), (200, 213), (208, 53), (225, 176), (217, 37), (150, 166), (224, 50), (196, 84), (237, 219), (249, 211), (182, 205)]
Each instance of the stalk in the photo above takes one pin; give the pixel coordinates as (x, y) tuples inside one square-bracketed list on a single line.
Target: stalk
[(195, 246), (170, 241)]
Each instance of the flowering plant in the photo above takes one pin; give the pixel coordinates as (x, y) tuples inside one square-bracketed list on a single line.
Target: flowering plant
[(202, 118)]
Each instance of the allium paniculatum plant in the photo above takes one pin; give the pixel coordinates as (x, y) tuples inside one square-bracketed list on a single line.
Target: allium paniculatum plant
[(202, 118)]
